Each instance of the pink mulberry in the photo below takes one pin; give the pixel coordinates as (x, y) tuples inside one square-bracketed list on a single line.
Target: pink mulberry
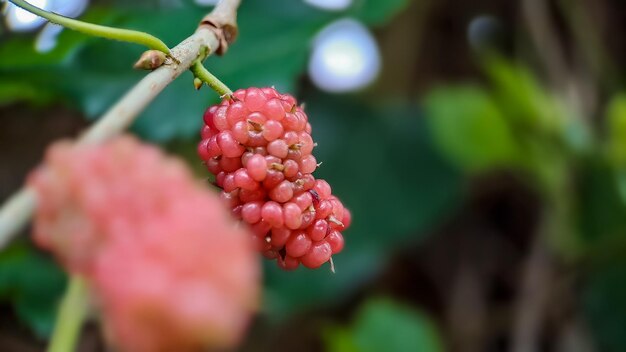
[(258, 145), (169, 269)]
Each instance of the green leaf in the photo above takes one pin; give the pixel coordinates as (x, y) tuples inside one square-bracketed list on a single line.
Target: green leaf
[(33, 284), (381, 163), (266, 53), (93, 73), (11, 91), (521, 97), (339, 339), (616, 120), (532, 110), (470, 128), (605, 306), (376, 12), (384, 325), (602, 211), (19, 52)]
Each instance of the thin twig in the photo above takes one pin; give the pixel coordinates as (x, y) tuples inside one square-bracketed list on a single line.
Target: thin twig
[(215, 32), (124, 112), (96, 30)]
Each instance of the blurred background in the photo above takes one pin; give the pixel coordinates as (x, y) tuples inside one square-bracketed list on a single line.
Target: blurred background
[(481, 146)]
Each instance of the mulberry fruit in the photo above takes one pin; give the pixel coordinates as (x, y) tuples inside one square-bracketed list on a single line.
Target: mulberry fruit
[(258, 145), (169, 268)]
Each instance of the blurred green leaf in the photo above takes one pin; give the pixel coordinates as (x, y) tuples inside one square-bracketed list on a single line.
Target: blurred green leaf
[(602, 214), (616, 145), (384, 325), (616, 128), (531, 110), (381, 163), (376, 12), (18, 52), (33, 284), (339, 339), (525, 101), (605, 306), (266, 53), (17, 91), (93, 73), (470, 129), (550, 134)]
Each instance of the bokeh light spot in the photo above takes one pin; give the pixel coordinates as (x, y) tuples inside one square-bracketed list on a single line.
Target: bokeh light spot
[(207, 2), (332, 5), (19, 20), (345, 57)]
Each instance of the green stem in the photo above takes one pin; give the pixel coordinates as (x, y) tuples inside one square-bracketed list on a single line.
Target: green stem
[(72, 313), (124, 35), (207, 77)]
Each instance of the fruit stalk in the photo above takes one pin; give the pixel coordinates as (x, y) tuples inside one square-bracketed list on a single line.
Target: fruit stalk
[(96, 30), (207, 77)]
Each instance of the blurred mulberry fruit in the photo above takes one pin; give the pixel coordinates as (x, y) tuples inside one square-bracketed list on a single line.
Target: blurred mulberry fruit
[(258, 145), (169, 269)]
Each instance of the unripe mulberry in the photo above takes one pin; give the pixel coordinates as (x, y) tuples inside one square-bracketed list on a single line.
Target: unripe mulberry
[(258, 144), (168, 267)]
